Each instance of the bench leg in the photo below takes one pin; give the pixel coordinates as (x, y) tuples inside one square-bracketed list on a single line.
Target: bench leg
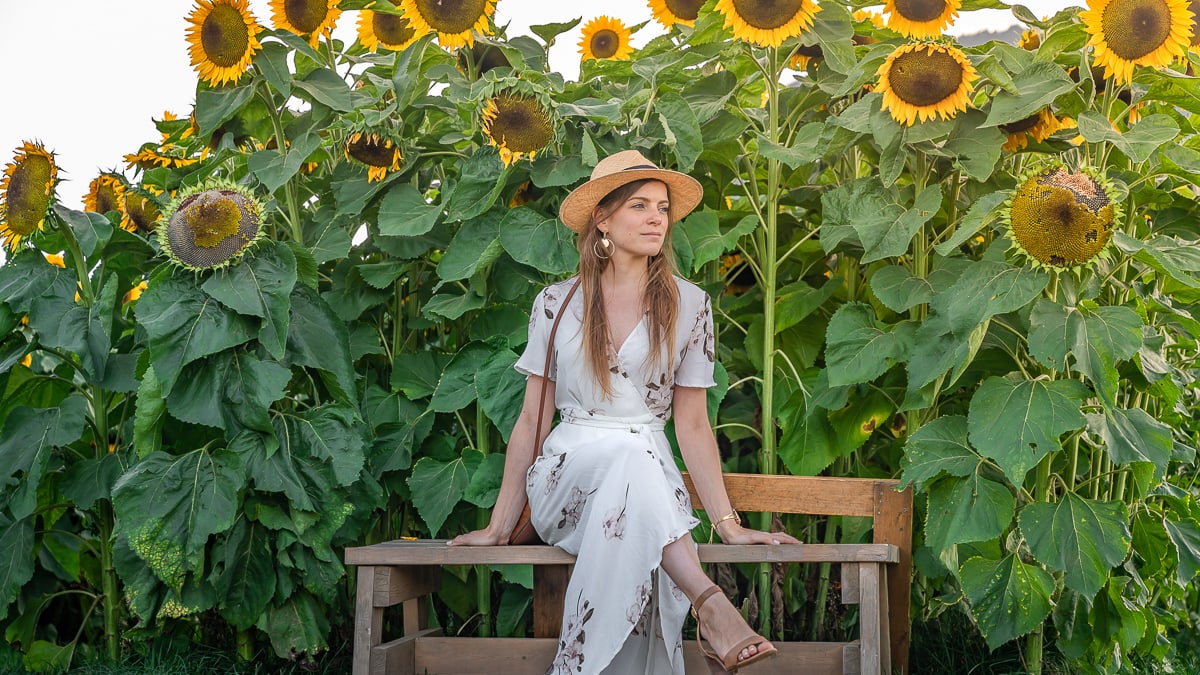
[(549, 596), (368, 620), (870, 619)]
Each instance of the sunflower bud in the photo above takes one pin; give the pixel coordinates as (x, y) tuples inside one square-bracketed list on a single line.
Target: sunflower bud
[(1060, 219), (211, 226)]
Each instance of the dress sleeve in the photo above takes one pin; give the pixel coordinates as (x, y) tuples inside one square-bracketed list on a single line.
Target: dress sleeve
[(697, 360), (533, 361)]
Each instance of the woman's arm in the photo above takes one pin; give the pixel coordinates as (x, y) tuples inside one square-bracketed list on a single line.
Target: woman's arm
[(522, 450), (699, 449)]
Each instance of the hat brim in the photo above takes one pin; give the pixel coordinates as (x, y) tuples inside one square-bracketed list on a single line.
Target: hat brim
[(577, 208)]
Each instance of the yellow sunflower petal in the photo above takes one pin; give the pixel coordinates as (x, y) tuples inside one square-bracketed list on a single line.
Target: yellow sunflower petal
[(923, 81), (390, 31), (223, 39), (767, 23), (605, 38), (106, 193), (454, 21), (1128, 33), (312, 18), (671, 12), (378, 153), (1038, 126)]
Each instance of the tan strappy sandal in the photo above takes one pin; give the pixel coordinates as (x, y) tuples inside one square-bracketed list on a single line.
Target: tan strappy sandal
[(730, 661)]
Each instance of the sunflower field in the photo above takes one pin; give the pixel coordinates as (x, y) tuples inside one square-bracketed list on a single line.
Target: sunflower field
[(289, 325)]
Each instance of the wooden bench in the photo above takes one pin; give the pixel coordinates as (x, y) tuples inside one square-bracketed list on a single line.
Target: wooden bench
[(875, 576)]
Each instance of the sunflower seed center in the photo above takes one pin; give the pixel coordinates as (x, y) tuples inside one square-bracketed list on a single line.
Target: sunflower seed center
[(605, 43), (451, 16), (28, 194), (767, 14), (925, 76), (392, 30), (920, 10), (520, 124), (372, 151), (687, 10), (306, 15), (211, 221), (1135, 28), (225, 36)]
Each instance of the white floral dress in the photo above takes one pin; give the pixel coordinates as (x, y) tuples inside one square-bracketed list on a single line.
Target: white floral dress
[(606, 487)]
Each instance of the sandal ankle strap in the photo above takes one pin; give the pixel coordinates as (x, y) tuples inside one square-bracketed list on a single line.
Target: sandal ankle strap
[(703, 597)]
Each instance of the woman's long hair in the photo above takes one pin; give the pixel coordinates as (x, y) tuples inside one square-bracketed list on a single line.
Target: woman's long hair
[(661, 295)]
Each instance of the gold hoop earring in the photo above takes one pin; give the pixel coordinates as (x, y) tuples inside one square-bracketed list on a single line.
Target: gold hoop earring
[(602, 248)]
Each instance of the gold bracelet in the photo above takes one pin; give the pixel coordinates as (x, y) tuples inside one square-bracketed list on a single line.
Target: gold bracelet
[(712, 528)]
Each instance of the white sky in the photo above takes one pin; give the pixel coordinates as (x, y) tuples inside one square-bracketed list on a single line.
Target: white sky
[(85, 77)]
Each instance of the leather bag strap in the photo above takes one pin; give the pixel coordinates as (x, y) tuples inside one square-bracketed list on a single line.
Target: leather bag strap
[(537, 434)]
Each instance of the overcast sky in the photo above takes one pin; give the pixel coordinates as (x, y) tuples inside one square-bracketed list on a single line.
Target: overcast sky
[(85, 77)]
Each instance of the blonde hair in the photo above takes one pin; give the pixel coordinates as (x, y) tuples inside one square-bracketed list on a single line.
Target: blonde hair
[(661, 299)]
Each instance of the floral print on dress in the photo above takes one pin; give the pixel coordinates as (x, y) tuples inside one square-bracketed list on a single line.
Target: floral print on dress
[(683, 503), (638, 613), (574, 508), (701, 339), (659, 395), (555, 474), (614, 520), (570, 647)]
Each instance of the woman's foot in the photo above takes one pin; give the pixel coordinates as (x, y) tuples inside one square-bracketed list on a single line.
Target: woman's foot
[(734, 643)]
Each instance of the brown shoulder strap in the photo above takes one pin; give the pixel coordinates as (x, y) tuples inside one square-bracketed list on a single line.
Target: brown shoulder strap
[(537, 434)]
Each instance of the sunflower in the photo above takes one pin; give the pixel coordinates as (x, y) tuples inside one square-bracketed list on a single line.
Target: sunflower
[(1128, 33), (210, 226), (671, 12), (452, 20), (222, 35), (55, 259), (380, 153), (140, 212), (925, 80), (921, 18), (1030, 40), (28, 190), (605, 38), (153, 156), (313, 18), (390, 31), (134, 293), (804, 56), (518, 123), (767, 23), (1059, 219), (106, 193), (174, 129), (1038, 126)]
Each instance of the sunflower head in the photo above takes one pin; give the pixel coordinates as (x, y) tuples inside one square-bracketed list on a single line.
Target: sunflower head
[(605, 38), (454, 21), (141, 213), (154, 156), (925, 80), (211, 226), (1128, 33), (106, 193), (26, 193), (805, 56), (921, 18), (767, 23), (312, 18), (1030, 40), (671, 12), (1058, 219), (390, 31), (223, 36), (1037, 126), (377, 150), (518, 119)]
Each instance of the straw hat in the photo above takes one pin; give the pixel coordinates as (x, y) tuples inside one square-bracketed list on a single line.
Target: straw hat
[(625, 167)]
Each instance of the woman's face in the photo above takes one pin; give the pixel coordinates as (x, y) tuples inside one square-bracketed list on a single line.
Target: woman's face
[(638, 226)]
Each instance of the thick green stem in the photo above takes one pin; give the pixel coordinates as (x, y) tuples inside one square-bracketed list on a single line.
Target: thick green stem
[(293, 204), (1074, 466), (245, 645), (1033, 652), (108, 581), (483, 573)]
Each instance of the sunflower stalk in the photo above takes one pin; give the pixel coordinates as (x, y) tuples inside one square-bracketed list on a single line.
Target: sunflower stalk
[(293, 204)]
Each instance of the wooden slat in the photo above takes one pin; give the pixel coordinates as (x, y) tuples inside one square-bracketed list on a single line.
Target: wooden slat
[(850, 595), (851, 654), (549, 594), (893, 525), (819, 495), (435, 552), (394, 585), (869, 619), (398, 657), (531, 656), (368, 620)]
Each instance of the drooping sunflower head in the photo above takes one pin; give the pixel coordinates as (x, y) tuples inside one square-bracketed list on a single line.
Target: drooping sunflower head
[(921, 18), (390, 31), (1037, 126), (671, 12), (223, 37), (26, 193), (454, 21), (1030, 40), (141, 213), (105, 193), (605, 38), (519, 120), (377, 150), (767, 23), (804, 56), (211, 226), (924, 80), (1058, 219), (311, 18), (1128, 33), (483, 57), (153, 156)]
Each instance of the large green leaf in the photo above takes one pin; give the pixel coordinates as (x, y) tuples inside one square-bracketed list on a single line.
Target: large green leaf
[(260, 286), (232, 391), (939, 447), (1017, 422), (1185, 535), (438, 486), (967, 509), (681, 127), (1139, 143), (479, 184), (501, 390), (796, 301), (1039, 85), (937, 350), (1008, 598), (417, 374), (27, 440), (988, 288), (215, 106), (1098, 338), (539, 241), (456, 388), (1168, 255), (16, 558), (149, 415), (183, 323), (297, 626), (245, 576), (92, 230), (172, 504), (332, 432), (326, 86), (858, 350), (302, 477), (1133, 436), (91, 480), (974, 148), (317, 338), (476, 245), (897, 288), (485, 481), (862, 204), (806, 146), (983, 211), (404, 212), (703, 232), (27, 276), (1082, 537), (61, 323), (273, 169), (807, 444)]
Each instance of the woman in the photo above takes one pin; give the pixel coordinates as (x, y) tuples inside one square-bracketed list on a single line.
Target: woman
[(634, 345)]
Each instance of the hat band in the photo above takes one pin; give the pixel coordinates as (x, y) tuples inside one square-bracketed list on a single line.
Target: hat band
[(639, 166)]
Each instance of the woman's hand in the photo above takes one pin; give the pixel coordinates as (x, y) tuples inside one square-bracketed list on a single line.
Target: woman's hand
[(484, 537), (733, 533)]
